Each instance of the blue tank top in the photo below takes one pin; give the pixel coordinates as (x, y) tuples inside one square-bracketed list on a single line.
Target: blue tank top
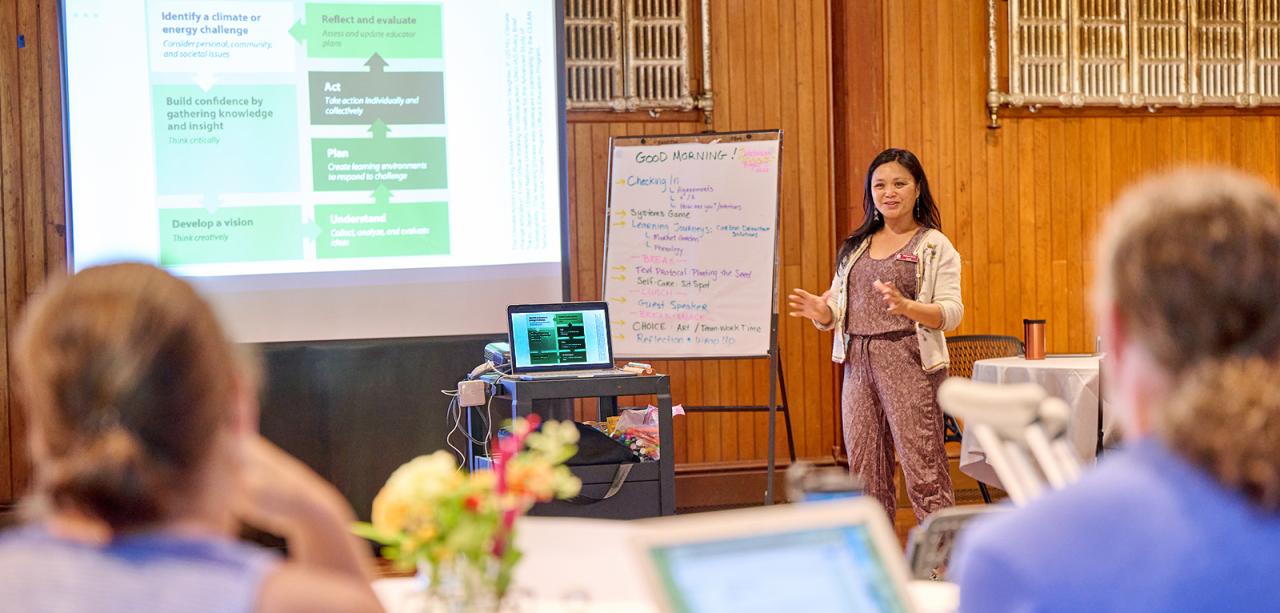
[(163, 573)]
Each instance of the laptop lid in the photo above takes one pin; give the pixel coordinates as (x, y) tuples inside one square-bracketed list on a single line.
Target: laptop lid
[(815, 556), (563, 336)]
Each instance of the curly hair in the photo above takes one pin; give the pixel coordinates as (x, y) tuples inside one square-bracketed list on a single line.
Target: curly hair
[(1225, 417), (1191, 261)]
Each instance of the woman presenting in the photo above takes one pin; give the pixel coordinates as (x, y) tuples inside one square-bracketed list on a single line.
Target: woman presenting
[(896, 290)]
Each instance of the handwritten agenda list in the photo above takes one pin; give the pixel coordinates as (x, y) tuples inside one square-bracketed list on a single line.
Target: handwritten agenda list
[(690, 251)]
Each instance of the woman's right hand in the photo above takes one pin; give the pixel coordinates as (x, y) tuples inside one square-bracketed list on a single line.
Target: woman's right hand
[(279, 494), (329, 570), (814, 307)]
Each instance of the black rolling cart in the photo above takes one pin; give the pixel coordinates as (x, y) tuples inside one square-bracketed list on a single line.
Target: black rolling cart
[(649, 487)]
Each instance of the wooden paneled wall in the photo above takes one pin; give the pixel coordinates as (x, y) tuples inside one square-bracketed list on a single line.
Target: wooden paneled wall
[(770, 69), (1023, 202), (31, 177)]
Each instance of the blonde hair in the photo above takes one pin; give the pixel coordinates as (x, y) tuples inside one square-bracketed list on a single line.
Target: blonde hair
[(126, 375), (1191, 262)]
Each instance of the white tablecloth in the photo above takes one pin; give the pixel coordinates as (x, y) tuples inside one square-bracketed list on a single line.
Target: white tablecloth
[(589, 566), (1071, 378), (570, 564)]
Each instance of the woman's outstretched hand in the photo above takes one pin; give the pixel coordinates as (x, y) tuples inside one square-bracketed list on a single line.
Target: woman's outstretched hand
[(814, 307), (928, 315)]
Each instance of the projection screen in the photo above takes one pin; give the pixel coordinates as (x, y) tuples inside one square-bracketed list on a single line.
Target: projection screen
[(323, 170)]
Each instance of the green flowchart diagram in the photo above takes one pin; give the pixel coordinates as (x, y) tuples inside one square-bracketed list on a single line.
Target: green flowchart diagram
[(238, 108)]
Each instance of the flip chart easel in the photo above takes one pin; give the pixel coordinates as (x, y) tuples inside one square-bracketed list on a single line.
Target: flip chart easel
[(691, 255)]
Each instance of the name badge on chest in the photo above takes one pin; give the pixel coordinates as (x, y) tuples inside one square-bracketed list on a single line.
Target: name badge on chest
[(909, 257)]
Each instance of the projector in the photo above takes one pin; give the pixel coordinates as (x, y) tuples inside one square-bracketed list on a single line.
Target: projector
[(498, 353)]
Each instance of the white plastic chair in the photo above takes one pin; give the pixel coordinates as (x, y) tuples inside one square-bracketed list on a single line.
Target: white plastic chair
[(1021, 430)]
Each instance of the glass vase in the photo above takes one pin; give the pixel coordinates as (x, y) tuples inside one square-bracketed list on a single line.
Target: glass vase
[(463, 586)]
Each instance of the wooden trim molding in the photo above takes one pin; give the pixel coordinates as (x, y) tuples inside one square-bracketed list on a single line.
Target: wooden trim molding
[(635, 116), (858, 100), (859, 119), (714, 485), (1094, 112)]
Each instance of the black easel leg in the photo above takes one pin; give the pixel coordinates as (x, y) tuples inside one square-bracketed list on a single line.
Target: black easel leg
[(786, 412), (773, 424)]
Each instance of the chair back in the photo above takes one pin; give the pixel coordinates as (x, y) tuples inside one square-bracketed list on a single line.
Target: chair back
[(965, 350), (929, 544), (1022, 431)]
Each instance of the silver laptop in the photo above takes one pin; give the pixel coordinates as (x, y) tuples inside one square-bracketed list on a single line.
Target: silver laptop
[(560, 341), (838, 555)]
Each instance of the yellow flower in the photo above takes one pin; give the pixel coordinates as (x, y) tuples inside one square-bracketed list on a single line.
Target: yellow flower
[(411, 493), (483, 480), (566, 485), (430, 511), (426, 532), (389, 515)]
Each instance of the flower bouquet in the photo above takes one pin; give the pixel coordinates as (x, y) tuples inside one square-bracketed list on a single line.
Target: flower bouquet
[(459, 528)]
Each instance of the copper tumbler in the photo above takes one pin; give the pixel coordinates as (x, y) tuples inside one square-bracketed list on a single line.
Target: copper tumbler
[(1033, 336)]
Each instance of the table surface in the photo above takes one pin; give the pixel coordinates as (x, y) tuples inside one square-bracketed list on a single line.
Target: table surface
[(570, 564), (1065, 362), (589, 565)]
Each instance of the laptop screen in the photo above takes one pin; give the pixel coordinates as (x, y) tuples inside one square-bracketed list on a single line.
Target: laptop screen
[(824, 569), (566, 336)]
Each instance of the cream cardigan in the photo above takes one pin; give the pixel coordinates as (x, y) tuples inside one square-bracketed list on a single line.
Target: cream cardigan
[(937, 282)]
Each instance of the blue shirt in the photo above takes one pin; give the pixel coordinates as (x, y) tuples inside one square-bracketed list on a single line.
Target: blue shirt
[(40, 572), (1144, 531)]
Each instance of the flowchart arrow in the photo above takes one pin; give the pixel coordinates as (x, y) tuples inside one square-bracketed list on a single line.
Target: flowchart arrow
[(212, 200), (619, 223), (619, 299), (381, 195), (620, 268), (376, 64), (310, 230), (620, 214), (619, 278), (379, 129), (299, 32), (205, 80)]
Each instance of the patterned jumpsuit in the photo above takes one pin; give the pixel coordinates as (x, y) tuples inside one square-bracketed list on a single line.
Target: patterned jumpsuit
[(888, 400)]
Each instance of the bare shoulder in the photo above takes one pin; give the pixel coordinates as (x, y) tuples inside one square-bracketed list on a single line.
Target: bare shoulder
[(293, 589)]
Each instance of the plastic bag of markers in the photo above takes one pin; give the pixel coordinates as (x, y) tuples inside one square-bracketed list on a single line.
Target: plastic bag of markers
[(638, 429)]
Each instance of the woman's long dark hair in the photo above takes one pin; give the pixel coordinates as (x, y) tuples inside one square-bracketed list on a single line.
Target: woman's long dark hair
[(924, 210)]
